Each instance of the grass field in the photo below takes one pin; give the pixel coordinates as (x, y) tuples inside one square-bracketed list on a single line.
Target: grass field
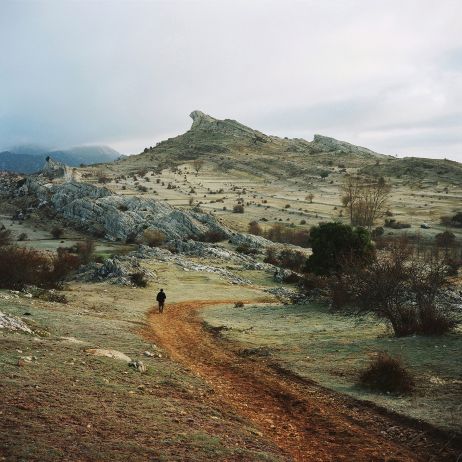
[(332, 349)]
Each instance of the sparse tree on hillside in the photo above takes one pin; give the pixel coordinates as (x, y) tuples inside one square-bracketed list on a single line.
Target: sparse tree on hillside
[(310, 197), (198, 164), (365, 199)]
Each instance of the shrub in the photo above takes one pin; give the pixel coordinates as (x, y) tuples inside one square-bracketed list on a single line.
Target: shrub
[(238, 208), (288, 235), (336, 244), (255, 228), (238, 304), (154, 237), (392, 223), (139, 279), (57, 232), (21, 266), (377, 232), (387, 374), (213, 236), (22, 237), (246, 249), (445, 239), (5, 236), (85, 250), (407, 290)]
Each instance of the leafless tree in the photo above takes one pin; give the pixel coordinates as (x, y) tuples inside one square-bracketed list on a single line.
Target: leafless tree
[(365, 199), (198, 164)]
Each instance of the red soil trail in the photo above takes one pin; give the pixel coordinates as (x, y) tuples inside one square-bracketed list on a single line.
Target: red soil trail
[(308, 422)]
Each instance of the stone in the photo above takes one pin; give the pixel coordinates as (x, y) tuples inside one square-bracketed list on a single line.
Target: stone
[(13, 323), (138, 366), (114, 354)]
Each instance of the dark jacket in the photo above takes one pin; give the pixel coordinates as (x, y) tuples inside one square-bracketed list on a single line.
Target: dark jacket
[(161, 297)]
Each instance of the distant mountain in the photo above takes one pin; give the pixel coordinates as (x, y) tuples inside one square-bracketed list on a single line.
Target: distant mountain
[(20, 163), (31, 158), (84, 155)]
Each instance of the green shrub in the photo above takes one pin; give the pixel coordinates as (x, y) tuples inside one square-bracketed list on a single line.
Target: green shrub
[(335, 245)]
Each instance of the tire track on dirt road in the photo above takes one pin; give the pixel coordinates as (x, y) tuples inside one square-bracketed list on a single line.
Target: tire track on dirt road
[(308, 422)]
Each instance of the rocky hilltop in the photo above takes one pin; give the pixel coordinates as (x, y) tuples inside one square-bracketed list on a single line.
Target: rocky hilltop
[(230, 145)]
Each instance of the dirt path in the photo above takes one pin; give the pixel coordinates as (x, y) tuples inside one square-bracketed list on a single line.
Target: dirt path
[(306, 421)]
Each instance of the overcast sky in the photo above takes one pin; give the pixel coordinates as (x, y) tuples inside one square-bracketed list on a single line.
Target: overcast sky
[(382, 74)]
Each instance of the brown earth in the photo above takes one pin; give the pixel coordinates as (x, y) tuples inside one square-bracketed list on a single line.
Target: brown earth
[(305, 420)]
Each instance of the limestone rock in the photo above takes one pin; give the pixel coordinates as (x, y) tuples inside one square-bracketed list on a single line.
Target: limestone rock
[(10, 322), (114, 354)]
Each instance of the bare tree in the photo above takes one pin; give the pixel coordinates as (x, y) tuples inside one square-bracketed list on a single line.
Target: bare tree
[(310, 197), (198, 164), (365, 199)]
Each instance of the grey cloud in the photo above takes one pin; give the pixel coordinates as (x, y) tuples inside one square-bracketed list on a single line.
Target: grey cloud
[(125, 73)]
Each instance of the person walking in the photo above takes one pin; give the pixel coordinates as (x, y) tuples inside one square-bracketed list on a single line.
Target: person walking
[(161, 300)]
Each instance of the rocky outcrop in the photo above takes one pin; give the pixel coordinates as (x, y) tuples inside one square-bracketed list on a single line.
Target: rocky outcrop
[(202, 121), (56, 169), (325, 144), (10, 322), (98, 210), (116, 270)]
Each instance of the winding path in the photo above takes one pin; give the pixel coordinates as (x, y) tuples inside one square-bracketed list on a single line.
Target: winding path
[(308, 422)]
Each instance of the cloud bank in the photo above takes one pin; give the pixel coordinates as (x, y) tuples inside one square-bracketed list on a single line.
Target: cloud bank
[(385, 75)]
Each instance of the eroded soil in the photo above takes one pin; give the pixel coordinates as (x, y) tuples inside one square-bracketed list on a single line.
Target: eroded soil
[(306, 421)]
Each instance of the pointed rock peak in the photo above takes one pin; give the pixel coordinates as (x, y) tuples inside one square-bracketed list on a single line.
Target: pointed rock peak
[(227, 126), (200, 119)]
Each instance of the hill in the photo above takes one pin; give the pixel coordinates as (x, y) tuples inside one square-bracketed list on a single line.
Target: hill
[(230, 145)]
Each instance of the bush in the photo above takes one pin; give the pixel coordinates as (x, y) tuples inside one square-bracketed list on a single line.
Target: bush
[(335, 245), (288, 235), (255, 228), (154, 237), (392, 223), (387, 374), (138, 279), (407, 290), (5, 236), (85, 250), (57, 232), (246, 249), (238, 208), (238, 304), (286, 258), (213, 236), (377, 232), (21, 266), (445, 239), (23, 237)]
